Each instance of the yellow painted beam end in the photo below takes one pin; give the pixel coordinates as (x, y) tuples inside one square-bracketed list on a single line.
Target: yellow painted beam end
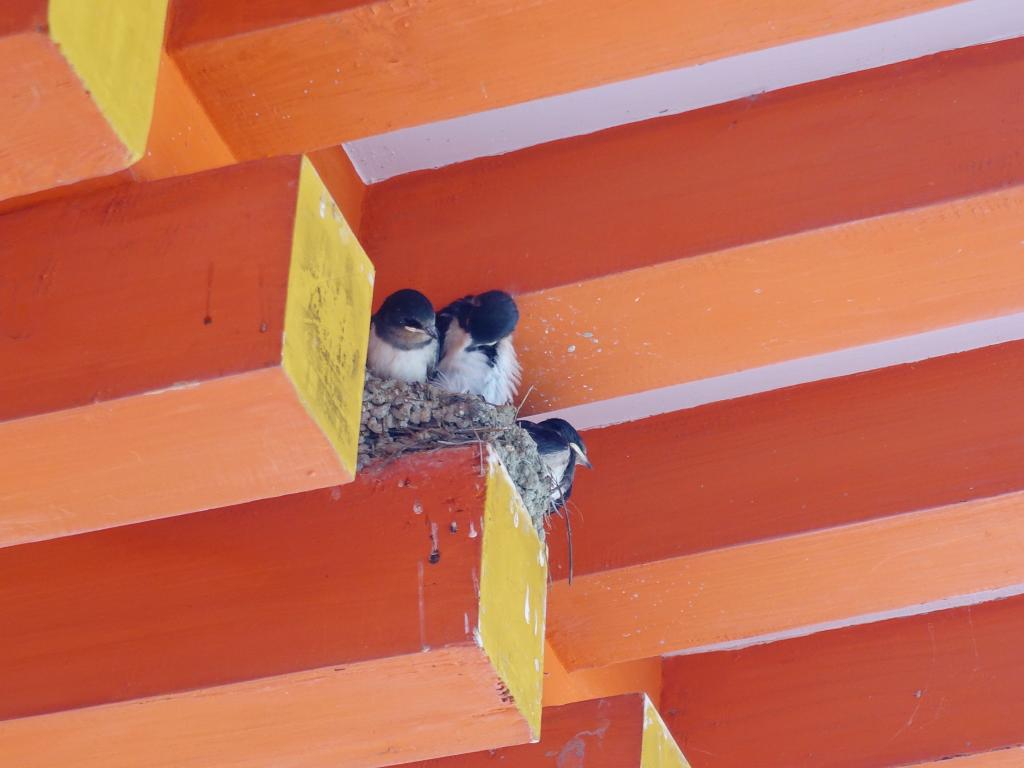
[(513, 594), (114, 47), (657, 748), (327, 316)]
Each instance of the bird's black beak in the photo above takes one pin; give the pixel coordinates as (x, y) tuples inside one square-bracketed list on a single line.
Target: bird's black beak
[(431, 331)]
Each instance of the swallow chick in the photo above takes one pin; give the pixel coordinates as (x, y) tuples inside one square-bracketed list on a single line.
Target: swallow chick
[(403, 338), (561, 448), (477, 354)]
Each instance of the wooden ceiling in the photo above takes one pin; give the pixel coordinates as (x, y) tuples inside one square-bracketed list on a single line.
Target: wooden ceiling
[(826, 571)]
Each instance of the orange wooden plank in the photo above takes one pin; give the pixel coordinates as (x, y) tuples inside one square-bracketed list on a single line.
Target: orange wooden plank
[(178, 284), (155, 455), (785, 510), (997, 758), (799, 459), (564, 687), (902, 136), (434, 703), (343, 182), (298, 630), (365, 68), (143, 286), (23, 16), (894, 276), (897, 692), (794, 585), (42, 97), (588, 230), (601, 733), (182, 139), (78, 188)]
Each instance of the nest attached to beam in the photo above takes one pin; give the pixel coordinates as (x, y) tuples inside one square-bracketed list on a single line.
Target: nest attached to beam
[(400, 418)]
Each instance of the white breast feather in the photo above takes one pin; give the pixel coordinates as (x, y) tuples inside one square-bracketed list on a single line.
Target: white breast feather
[(556, 463), (469, 372), (390, 362)]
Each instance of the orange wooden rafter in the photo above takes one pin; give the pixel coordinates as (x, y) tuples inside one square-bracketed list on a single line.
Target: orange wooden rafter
[(785, 510), (290, 77), (893, 693), (43, 97), (289, 629), (1012, 757), (187, 449), (564, 687), (182, 139), (78, 85), (343, 182), (151, 348), (143, 286), (898, 137), (598, 255), (599, 733)]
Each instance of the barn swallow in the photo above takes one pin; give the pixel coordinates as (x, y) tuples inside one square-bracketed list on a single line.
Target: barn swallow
[(561, 448), (403, 338), (477, 355)]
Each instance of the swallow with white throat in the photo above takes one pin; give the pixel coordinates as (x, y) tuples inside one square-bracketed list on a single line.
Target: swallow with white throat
[(403, 338), (477, 354), (561, 449)]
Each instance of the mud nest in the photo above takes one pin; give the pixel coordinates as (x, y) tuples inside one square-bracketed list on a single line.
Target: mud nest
[(400, 418)]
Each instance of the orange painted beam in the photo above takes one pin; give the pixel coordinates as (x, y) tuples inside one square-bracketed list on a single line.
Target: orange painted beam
[(306, 629), (343, 182), (224, 441), (169, 281), (897, 692), (600, 733), (78, 85), (43, 97), (588, 231), (812, 505), (599, 204), (143, 369), (1012, 757), (143, 286), (22, 16), (564, 687), (182, 139), (297, 76)]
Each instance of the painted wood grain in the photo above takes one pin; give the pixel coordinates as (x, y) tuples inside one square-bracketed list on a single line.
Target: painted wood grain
[(42, 96), (288, 628), (796, 585), (436, 703), (142, 286), (182, 140), (299, 581), (155, 455), (564, 687), (852, 147), (371, 67), (709, 243), (805, 458), (601, 733), (796, 510), (897, 692)]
